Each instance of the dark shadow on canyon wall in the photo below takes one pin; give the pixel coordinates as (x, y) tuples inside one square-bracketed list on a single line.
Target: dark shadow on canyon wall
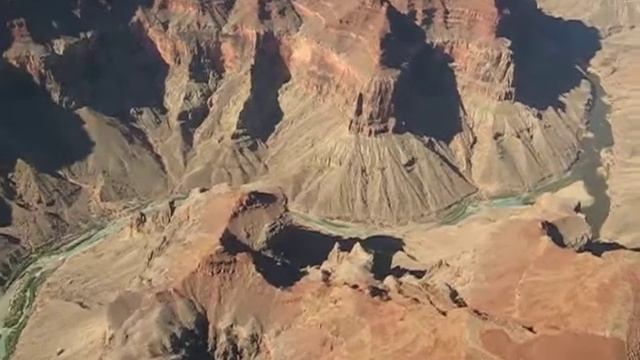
[(554, 234), (5, 213), (301, 247), (426, 99), (400, 44), (51, 19), (593, 247), (205, 67), (35, 129), (288, 253), (383, 249), (599, 248), (115, 74), (261, 111), (7, 193), (45, 19), (113, 70), (550, 54), (191, 343)]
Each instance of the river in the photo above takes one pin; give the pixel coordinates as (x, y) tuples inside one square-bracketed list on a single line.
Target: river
[(586, 169), (32, 277)]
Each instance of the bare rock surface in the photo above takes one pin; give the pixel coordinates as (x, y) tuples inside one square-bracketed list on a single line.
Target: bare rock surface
[(231, 274), (617, 67), (307, 148), (365, 111)]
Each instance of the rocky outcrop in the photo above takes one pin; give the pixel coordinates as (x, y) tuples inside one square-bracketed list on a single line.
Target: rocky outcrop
[(570, 232), (566, 227), (167, 324), (260, 250)]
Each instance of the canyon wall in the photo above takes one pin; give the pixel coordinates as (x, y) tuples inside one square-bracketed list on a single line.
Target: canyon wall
[(382, 111)]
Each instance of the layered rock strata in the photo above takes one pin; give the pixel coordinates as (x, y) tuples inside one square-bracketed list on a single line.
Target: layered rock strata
[(383, 111)]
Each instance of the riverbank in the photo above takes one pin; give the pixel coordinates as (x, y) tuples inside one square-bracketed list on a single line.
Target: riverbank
[(17, 301), (619, 68), (586, 170)]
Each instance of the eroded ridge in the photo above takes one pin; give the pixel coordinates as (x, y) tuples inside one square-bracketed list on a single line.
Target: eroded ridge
[(236, 273)]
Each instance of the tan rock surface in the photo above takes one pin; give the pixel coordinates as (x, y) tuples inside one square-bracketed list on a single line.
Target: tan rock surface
[(365, 111), (375, 113), (231, 275)]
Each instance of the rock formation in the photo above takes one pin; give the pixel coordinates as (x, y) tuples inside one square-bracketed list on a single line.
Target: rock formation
[(230, 274), (362, 110), (275, 126)]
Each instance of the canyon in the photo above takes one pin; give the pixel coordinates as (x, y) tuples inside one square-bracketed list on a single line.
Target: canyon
[(285, 179)]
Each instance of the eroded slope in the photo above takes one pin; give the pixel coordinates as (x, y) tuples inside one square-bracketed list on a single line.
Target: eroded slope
[(363, 110)]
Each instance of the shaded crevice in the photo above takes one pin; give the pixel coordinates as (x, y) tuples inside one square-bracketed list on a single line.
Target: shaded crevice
[(554, 234), (426, 101), (359, 104), (426, 98), (190, 121), (594, 247), (455, 297), (34, 128), (192, 343), (599, 248), (383, 249), (402, 41), (234, 342), (550, 54), (264, 11), (444, 159), (5, 213), (399, 272), (134, 132), (205, 70), (291, 251), (287, 255), (112, 70), (262, 112)]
